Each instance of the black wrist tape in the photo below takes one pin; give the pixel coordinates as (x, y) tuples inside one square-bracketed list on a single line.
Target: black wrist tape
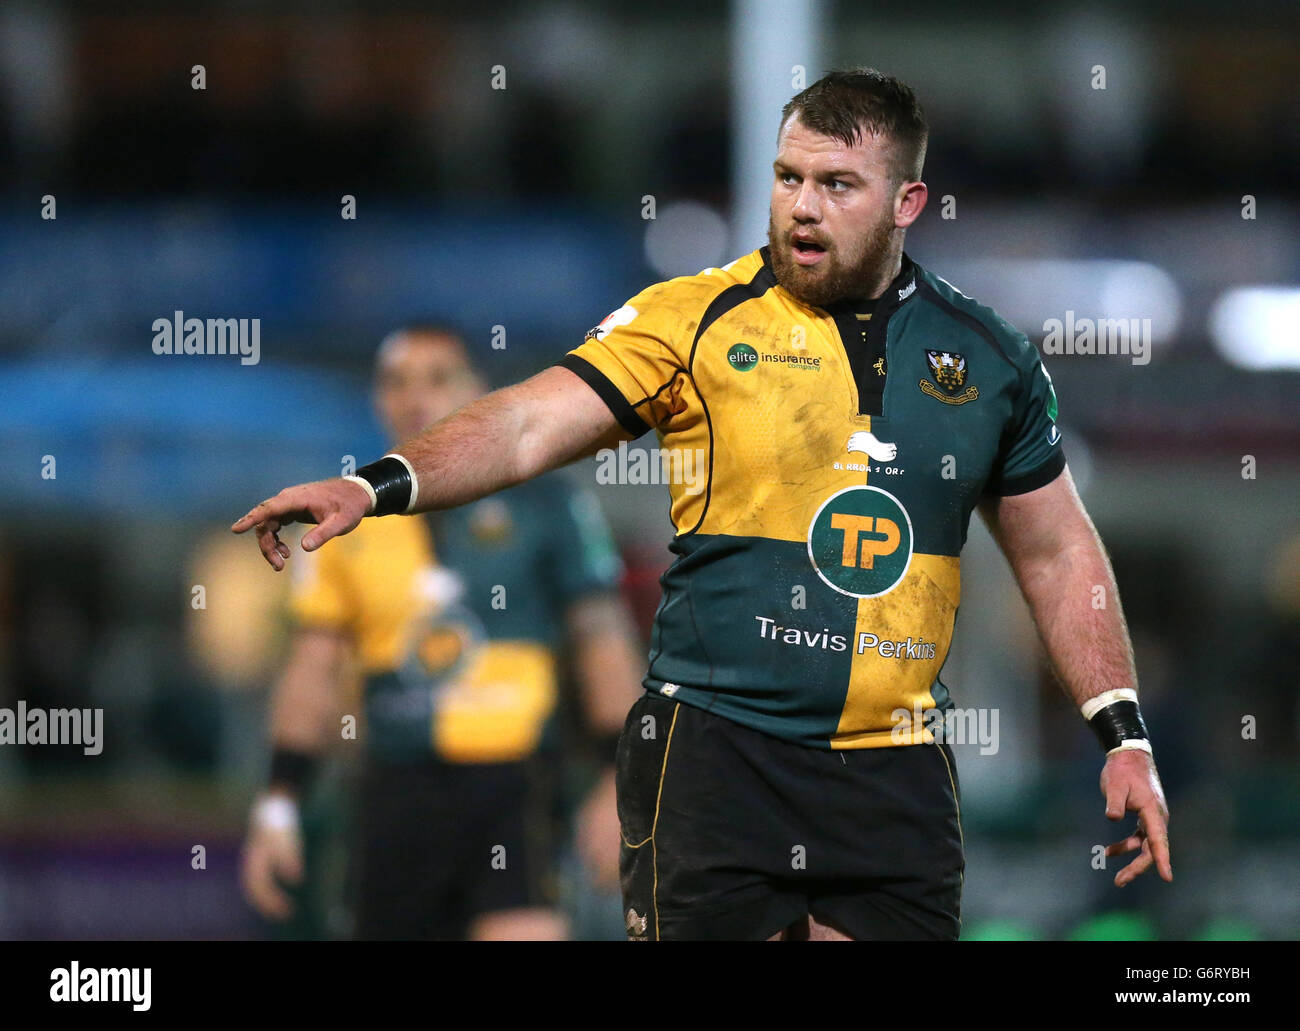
[(391, 481), (292, 770), (1118, 722)]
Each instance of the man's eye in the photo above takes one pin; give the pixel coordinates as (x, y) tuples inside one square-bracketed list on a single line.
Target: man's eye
[(788, 178), (838, 185)]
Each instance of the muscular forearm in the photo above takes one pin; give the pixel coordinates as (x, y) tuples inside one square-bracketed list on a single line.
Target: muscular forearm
[(505, 438), (495, 442), (1063, 571), (1074, 600), (469, 454)]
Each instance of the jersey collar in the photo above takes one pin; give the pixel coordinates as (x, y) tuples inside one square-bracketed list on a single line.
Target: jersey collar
[(896, 294)]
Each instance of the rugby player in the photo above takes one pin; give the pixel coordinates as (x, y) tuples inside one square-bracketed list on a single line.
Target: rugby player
[(853, 409), (455, 626)]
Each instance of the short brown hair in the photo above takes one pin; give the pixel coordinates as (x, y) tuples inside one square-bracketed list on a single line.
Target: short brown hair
[(846, 103)]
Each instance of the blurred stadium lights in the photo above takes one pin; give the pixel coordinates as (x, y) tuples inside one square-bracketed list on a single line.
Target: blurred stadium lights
[(1030, 292), (770, 41), (1255, 327), (684, 238)]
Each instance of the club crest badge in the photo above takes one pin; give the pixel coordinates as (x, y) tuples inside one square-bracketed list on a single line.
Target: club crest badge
[(948, 376)]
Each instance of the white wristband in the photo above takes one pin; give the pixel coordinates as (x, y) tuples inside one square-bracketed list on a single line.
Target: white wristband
[(276, 813), (1092, 706), (1133, 744), (415, 483), (364, 484)]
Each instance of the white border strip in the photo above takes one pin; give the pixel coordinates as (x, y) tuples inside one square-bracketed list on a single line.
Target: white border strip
[(1133, 744), (415, 482), (1092, 706)]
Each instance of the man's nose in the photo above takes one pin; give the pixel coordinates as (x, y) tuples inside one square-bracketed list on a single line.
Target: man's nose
[(806, 208)]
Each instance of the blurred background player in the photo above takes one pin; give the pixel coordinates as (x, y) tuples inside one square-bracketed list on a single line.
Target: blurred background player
[(456, 624)]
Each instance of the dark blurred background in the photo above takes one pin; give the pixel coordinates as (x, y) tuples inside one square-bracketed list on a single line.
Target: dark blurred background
[(1171, 194)]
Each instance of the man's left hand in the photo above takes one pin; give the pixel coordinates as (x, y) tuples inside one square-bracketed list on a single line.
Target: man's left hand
[(1130, 783)]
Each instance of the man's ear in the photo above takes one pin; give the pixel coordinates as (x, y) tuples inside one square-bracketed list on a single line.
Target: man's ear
[(909, 202)]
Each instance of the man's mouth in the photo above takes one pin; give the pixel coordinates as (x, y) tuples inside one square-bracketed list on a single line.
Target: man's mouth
[(807, 252)]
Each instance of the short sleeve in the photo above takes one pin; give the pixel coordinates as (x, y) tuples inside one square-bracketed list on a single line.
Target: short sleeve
[(583, 558), (632, 361), (320, 595), (1031, 455)]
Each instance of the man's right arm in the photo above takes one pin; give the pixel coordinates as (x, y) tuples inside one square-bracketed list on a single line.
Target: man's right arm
[(509, 436), (504, 438)]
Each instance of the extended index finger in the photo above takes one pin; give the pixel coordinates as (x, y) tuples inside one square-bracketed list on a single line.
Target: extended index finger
[(259, 513)]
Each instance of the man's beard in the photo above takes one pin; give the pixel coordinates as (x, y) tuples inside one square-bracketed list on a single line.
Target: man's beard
[(831, 279)]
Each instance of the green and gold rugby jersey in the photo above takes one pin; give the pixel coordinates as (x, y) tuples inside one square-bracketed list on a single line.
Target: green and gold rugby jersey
[(817, 575)]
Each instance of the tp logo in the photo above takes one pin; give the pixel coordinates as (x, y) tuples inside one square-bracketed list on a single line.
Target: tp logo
[(860, 542)]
